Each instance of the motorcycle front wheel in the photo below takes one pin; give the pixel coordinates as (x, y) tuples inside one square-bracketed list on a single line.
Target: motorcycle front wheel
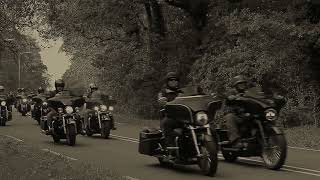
[(275, 154), (208, 163), (71, 135), (105, 129)]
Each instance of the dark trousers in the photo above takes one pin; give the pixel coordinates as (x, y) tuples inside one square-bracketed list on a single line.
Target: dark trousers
[(233, 123), (168, 125)]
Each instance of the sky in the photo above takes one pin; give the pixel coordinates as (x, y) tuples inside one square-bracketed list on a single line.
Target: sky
[(56, 60)]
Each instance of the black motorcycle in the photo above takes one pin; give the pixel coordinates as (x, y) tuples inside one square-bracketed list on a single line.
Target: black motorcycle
[(260, 136), (65, 125), (100, 119), (23, 105), (195, 144), (40, 108), (4, 112)]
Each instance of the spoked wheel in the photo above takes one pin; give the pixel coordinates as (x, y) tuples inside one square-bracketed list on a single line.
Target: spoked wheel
[(274, 155), (229, 156), (208, 163)]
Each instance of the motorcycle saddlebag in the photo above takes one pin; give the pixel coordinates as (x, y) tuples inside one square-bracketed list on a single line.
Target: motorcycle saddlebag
[(149, 140)]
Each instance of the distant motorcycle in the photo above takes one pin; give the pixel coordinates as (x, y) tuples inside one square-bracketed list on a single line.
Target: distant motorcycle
[(260, 136), (195, 144), (66, 123), (100, 120), (40, 108), (4, 112), (23, 105)]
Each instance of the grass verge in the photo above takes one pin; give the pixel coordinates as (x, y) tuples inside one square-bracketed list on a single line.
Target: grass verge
[(23, 162)]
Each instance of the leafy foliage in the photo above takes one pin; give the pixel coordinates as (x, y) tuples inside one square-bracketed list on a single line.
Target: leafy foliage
[(271, 42)]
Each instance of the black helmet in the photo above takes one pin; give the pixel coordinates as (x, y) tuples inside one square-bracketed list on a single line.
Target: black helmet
[(172, 75), (59, 83), (1, 88), (238, 79), (40, 90), (93, 86)]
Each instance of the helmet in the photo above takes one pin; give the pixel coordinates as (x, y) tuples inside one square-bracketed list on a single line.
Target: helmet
[(238, 79), (93, 86), (1, 88), (59, 83), (40, 90), (22, 89), (172, 75)]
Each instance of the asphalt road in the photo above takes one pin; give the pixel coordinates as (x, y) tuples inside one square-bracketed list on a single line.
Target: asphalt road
[(120, 154)]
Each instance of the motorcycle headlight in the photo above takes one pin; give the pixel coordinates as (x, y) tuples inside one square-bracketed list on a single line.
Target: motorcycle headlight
[(24, 100), (3, 103), (271, 114), (96, 108), (201, 118), (45, 104), (103, 108), (111, 108), (69, 109)]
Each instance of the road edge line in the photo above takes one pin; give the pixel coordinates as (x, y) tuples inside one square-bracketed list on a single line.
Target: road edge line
[(59, 154)]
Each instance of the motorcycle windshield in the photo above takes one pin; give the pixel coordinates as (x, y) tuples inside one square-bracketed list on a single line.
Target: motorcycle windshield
[(39, 98), (63, 99), (183, 108)]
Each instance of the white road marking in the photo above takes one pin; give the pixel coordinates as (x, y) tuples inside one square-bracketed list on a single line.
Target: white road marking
[(58, 154), (306, 149), (125, 138), (298, 169), (129, 178), (17, 139)]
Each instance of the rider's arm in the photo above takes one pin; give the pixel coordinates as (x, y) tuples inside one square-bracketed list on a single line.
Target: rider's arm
[(162, 99)]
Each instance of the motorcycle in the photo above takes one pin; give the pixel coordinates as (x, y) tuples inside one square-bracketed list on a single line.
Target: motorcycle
[(260, 136), (23, 105), (100, 120), (66, 123), (40, 108), (4, 112), (195, 144)]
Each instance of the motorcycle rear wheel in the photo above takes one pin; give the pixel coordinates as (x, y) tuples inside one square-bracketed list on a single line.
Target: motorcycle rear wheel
[(229, 156), (275, 156)]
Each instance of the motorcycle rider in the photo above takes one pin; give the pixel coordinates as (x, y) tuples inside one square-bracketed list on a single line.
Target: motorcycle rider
[(170, 91), (9, 101), (239, 84), (93, 91), (59, 86), (40, 91)]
